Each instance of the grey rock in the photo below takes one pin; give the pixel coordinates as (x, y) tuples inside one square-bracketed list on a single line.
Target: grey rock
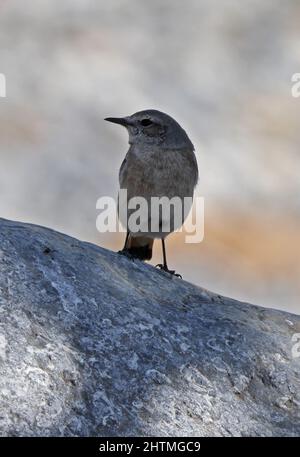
[(92, 343)]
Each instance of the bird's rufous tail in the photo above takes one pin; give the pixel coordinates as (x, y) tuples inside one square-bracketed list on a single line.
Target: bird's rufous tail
[(140, 247)]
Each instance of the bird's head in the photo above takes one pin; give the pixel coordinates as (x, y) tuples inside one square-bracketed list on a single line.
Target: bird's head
[(153, 128)]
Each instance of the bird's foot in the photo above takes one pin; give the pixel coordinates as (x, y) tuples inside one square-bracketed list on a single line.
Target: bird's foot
[(166, 269), (127, 254)]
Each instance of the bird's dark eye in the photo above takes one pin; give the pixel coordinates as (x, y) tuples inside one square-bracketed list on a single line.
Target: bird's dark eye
[(146, 122)]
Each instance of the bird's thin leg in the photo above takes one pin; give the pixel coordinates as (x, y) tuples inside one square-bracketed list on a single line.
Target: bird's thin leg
[(125, 251), (164, 254), (164, 266), (126, 239)]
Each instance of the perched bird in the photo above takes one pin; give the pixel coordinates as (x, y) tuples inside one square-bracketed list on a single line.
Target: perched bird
[(160, 162)]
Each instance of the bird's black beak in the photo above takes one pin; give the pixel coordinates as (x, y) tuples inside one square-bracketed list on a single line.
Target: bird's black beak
[(118, 120)]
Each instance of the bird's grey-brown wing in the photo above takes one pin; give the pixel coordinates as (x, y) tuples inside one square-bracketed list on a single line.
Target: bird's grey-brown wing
[(122, 167)]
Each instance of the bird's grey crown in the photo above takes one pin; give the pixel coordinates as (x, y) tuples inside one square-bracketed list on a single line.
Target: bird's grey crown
[(170, 134)]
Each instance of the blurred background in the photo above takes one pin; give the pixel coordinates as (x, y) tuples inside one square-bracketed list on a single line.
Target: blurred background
[(222, 68)]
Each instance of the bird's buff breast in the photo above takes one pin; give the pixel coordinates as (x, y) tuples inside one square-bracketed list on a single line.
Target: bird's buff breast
[(158, 173)]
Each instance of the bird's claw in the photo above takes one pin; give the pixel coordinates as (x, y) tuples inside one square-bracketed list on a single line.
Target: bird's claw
[(166, 269)]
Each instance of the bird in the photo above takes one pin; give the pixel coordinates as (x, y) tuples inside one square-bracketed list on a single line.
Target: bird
[(160, 162)]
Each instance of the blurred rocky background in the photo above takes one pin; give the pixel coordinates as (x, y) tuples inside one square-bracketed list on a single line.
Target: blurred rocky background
[(222, 68)]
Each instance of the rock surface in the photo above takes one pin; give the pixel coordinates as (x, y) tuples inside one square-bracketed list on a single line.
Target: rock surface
[(92, 343)]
